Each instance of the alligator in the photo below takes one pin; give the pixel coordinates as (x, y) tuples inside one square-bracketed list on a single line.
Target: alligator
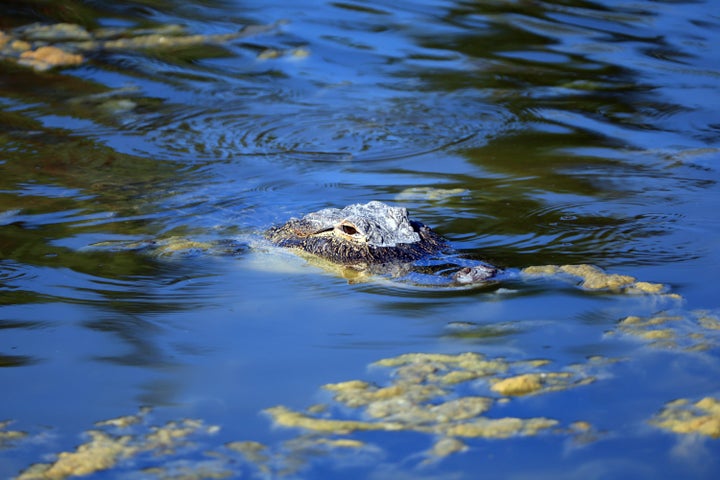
[(373, 236), (381, 239)]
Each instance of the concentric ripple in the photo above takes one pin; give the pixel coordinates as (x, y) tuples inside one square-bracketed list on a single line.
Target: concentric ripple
[(14, 274), (391, 128)]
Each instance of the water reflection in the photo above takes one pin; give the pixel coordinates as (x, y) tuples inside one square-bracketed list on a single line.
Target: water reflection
[(526, 132), (317, 127)]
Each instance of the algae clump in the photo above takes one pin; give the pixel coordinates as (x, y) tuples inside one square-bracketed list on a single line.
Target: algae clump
[(289, 418), (421, 397), (594, 278), (430, 193), (47, 57), (43, 47), (9, 436), (501, 427), (710, 323), (447, 446), (690, 331), (103, 450), (519, 385), (682, 416)]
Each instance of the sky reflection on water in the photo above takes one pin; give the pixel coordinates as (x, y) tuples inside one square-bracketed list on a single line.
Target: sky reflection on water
[(527, 133)]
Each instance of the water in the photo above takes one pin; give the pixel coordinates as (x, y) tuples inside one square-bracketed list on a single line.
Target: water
[(527, 133)]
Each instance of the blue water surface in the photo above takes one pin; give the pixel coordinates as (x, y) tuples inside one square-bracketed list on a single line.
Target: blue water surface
[(527, 133)]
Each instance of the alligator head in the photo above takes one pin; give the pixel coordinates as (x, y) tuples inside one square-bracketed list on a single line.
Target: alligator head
[(361, 234)]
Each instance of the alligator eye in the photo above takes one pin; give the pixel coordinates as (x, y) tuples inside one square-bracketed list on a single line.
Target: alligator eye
[(349, 229)]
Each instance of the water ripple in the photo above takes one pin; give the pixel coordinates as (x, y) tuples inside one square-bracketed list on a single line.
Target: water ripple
[(569, 232), (318, 131), (13, 274)]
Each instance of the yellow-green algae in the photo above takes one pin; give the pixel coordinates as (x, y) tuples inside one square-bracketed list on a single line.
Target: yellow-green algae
[(518, 385), (440, 371), (594, 278), (61, 45), (443, 369), (104, 450), (297, 452), (124, 421), (48, 56), (530, 383), (100, 452), (583, 432), (447, 446), (417, 416), (421, 396), (8, 437), (690, 331), (170, 246), (581, 426), (292, 455), (418, 398), (170, 444), (188, 471), (683, 416), (430, 193), (273, 53), (500, 427), (709, 322), (173, 245), (289, 418), (254, 452)]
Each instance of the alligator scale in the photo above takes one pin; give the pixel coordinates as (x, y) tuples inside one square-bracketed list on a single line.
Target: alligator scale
[(368, 235)]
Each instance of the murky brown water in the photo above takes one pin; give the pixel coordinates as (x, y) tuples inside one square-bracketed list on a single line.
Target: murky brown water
[(527, 133)]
